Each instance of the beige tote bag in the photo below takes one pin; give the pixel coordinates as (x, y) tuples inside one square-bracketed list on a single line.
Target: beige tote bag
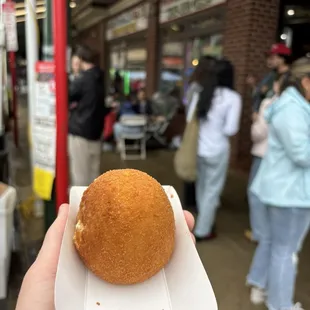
[(185, 160)]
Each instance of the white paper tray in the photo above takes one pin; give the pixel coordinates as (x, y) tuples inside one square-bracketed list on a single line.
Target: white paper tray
[(182, 285)]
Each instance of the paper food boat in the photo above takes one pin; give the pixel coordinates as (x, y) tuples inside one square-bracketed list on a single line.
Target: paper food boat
[(182, 285)]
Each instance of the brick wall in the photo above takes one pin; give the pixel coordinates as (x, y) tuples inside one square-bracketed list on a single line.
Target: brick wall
[(251, 28)]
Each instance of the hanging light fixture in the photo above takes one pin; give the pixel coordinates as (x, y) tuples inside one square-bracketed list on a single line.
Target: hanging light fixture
[(291, 12), (72, 4)]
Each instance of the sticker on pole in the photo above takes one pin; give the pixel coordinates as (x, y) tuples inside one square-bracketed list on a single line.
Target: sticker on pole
[(9, 20), (44, 130)]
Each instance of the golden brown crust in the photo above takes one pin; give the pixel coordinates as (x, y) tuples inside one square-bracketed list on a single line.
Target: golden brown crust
[(125, 229)]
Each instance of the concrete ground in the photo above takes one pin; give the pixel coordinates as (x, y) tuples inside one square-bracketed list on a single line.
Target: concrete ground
[(226, 259)]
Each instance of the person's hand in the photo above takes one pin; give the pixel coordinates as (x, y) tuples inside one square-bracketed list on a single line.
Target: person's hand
[(114, 104), (264, 89), (190, 223), (251, 80), (73, 105), (37, 291)]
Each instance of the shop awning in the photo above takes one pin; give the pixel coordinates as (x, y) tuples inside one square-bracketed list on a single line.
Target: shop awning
[(90, 12)]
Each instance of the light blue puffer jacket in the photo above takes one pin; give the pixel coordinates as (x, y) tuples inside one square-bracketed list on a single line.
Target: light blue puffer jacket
[(283, 179)]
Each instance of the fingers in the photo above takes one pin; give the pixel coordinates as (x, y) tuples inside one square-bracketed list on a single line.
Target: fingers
[(189, 220), (49, 253)]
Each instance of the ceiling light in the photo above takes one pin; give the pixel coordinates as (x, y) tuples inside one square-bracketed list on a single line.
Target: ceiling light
[(72, 5), (195, 62), (290, 12), (175, 27), (283, 36)]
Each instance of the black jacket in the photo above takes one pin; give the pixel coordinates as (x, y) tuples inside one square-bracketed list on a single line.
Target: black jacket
[(87, 117), (137, 108)]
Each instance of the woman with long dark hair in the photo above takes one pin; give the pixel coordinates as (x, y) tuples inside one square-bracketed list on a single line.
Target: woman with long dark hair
[(218, 110), (198, 76), (282, 183)]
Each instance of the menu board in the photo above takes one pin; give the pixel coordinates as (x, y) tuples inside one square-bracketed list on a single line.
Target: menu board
[(44, 130)]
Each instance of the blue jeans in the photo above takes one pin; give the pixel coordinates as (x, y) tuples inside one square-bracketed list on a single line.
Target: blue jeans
[(209, 186), (254, 202), (120, 129), (274, 264)]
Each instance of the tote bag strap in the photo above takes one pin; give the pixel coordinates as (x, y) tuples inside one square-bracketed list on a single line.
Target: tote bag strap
[(192, 107)]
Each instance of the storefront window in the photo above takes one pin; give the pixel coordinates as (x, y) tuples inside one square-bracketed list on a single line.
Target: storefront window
[(198, 34), (198, 47), (212, 45), (129, 66), (172, 65)]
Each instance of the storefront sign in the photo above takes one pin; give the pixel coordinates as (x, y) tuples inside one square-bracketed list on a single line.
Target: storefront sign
[(129, 22), (9, 20), (173, 9), (44, 130)]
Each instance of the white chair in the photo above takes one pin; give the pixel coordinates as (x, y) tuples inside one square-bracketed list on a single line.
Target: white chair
[(133, 121)]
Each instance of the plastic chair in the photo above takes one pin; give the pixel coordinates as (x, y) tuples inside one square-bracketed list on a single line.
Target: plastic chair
[(133, 121)]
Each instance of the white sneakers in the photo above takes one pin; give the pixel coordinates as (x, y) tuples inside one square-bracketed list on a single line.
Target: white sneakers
[(298, 306), (258, 297)]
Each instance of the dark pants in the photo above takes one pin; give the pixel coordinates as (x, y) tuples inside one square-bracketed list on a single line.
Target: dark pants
[(189, 201)]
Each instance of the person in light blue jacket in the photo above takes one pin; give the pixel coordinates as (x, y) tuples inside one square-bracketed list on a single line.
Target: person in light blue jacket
[(283, 185)]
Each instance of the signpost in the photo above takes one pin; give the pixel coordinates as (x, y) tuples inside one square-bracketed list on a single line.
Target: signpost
[(60, 43), (32, 58), (44, 130), (9, 20)]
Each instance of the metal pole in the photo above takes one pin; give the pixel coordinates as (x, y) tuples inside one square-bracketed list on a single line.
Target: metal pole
[(32, 58), (48, 55), (3, 154), (2, 51), (60, 43), (48, 48), (12, 63)]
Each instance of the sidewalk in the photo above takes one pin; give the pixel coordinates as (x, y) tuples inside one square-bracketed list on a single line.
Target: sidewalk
[(226, 259)]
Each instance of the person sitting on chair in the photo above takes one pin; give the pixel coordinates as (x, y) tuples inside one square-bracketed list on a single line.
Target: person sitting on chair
[(139, 105), (165, 106)]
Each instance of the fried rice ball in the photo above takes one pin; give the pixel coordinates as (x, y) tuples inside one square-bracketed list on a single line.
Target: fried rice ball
[(125, 231)]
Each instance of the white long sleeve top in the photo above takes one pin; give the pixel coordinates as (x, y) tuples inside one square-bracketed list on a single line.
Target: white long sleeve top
[(222, 122)]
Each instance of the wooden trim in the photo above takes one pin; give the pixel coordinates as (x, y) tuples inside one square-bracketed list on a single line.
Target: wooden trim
[(131, 38), (177, 37), (208, 12), (109, 13)]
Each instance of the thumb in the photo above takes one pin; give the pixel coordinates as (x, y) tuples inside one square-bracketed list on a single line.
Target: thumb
[(49, 253)]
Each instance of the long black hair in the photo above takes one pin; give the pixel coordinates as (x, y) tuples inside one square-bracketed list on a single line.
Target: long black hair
[(220, 74), (202, 69)]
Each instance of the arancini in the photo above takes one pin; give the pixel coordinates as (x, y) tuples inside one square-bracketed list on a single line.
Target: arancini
[(125, 231)]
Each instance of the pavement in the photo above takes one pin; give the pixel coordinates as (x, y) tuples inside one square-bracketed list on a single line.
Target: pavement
[(226, 259)]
